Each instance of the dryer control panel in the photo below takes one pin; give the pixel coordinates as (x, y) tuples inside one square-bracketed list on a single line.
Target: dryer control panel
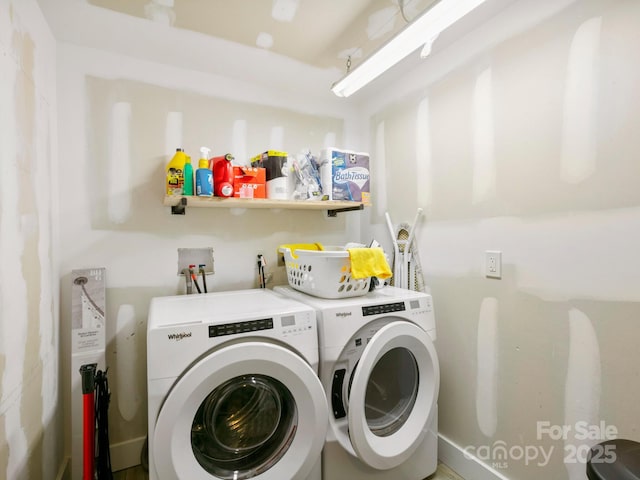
[(384, 308), (413, 306)]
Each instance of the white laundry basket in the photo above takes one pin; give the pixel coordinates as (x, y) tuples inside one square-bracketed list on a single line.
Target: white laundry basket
[(323, 273)]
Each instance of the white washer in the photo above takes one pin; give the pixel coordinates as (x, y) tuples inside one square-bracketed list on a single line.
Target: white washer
[(381, 375), (233, 388)]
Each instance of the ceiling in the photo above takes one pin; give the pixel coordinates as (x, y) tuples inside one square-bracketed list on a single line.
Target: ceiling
[(322, 33)]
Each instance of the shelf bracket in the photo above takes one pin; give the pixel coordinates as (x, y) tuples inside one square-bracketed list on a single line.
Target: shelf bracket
[(334, 212), (180, 208)]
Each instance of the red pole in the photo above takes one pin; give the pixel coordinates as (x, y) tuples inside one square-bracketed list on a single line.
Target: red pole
[(88, 420)]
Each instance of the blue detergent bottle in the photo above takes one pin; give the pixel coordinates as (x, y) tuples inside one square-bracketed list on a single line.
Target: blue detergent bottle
[(204, 175)]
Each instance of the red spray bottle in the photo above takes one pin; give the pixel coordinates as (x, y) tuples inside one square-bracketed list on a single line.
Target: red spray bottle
[(223, 175)]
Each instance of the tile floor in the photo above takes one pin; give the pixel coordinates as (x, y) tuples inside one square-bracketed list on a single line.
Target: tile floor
[(137, 473)]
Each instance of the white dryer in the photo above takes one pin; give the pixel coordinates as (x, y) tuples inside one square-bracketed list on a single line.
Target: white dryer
[(233, 388), (381, 376)]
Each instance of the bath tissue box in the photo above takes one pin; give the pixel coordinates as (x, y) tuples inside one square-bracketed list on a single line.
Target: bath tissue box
[(345, 175)]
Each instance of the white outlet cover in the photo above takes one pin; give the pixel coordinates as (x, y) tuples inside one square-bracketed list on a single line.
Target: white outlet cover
[(493, 264)]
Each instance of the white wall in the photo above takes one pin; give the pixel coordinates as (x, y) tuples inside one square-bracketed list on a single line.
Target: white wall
[(519, 138), (121, 117), (31, 428), (522, 137), (102, 202)]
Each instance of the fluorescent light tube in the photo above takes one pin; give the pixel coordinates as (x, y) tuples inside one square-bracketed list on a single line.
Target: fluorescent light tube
[(421, 32)]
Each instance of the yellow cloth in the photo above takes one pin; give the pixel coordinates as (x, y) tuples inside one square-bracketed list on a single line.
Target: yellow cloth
[(368, 262), (301, 246)]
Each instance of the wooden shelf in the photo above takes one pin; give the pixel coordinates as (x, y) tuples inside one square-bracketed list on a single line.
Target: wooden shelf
[(178, 204)]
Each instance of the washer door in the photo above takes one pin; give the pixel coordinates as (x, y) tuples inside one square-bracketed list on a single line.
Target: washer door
[(249, 410), (393, 395)]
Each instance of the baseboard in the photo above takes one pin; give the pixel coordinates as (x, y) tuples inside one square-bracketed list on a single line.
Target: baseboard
[(463, 463), (126, 454), (64, 472)]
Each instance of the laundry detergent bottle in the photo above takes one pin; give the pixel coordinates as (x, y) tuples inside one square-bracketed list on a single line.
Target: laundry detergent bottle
[(204, 176), (175, 173), (223, 176), (188, 177)]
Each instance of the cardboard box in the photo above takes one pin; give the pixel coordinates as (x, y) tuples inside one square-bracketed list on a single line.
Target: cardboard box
[(345, 175), (88, 345), (249, 182)]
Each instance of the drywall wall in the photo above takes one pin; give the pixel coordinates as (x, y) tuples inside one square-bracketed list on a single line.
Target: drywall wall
[(494, 138), (123, 110), (121, 120), (525, 143), (31, 430)]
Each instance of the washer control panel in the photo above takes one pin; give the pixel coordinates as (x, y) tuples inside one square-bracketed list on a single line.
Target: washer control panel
[(296, 324), (240, 327), (285, 325)]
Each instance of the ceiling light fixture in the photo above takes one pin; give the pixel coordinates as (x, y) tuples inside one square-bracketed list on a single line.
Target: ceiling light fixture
[(421, 32)]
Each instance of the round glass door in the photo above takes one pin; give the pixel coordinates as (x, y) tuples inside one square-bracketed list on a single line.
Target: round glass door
[(391, 392), (248, 410), (244, 427), (394, 389)]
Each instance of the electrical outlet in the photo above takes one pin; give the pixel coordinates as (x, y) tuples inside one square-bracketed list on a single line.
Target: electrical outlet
[(493, 264)]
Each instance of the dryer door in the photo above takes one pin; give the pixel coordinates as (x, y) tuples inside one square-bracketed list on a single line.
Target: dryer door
[(250, 410), (393, 395)]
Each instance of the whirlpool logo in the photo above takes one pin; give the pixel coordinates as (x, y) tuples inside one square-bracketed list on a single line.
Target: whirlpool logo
[(179, 336), (343, 314)]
